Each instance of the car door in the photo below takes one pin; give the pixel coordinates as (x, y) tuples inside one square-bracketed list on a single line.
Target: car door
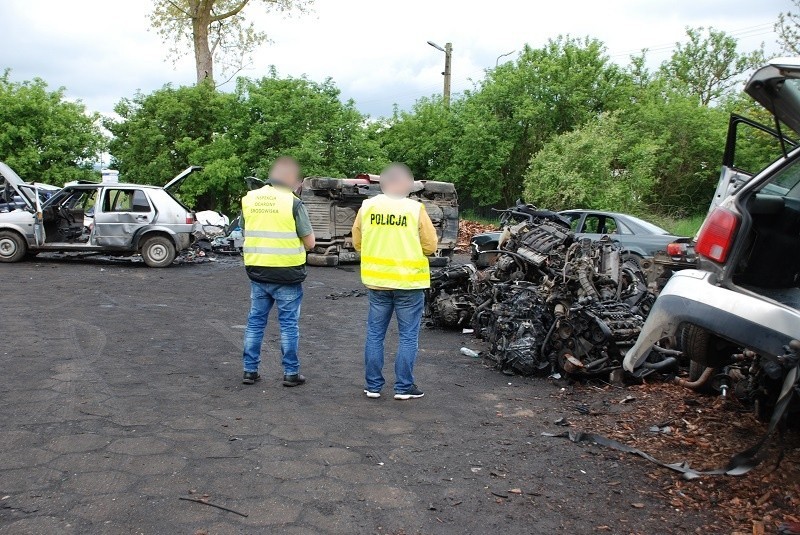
[(121, 212), (595, 225)]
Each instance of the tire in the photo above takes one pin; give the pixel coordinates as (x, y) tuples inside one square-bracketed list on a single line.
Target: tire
[(158, 252), (695, 343), (13, 247)]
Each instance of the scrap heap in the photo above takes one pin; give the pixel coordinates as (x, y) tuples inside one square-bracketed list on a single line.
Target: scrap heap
[(550, 303)]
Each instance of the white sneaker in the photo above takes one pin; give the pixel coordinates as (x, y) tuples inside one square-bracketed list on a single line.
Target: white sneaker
[(372, 395)]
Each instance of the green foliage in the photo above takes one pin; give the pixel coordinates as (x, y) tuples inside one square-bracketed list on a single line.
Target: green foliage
[(708, 64), (306, 120), (689, 226), (423, 138), (520, 105), (238, 135), (660, 154), (602, 165), (44, 137), (788, 29)]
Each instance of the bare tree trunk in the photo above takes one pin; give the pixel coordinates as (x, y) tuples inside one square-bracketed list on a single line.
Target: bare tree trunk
[(203, 59)]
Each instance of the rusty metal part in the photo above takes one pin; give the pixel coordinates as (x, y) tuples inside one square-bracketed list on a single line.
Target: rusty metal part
[(694, 385), (548, 295)]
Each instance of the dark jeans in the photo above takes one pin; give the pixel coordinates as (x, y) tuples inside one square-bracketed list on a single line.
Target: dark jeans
[(288, 298), (408, 306)]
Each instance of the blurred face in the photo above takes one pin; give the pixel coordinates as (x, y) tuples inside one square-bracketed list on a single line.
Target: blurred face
[(287, 173), (397, 183)]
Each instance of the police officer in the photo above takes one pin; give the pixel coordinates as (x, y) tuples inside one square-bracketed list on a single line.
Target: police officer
[(277, 234), (394, 233)]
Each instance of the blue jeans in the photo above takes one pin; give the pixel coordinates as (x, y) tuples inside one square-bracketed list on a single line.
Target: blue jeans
[(262, 296), (408, 306)]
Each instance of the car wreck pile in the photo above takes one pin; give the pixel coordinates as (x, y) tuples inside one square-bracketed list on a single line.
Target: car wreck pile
[(550, 303)]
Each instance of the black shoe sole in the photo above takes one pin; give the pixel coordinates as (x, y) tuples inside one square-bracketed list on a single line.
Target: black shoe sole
[(290, 385), (248, 382)]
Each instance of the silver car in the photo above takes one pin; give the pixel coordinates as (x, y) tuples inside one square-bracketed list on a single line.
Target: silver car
[(737, 316), (109, 218)]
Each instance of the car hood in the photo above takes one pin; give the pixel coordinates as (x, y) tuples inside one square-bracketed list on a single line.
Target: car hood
[(173, 185), (776, 86)]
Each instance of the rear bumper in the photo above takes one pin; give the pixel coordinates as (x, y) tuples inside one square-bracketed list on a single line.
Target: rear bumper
[(690, 297)]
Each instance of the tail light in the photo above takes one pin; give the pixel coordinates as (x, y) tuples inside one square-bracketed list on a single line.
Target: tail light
[(676, 249), (190, 218), (717, 235)]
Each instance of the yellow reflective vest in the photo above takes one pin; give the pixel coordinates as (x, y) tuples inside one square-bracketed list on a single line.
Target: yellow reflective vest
[(391, 253), (270, 235)]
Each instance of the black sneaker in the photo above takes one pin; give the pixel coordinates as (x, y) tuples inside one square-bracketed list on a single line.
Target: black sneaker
[(250, 378), (293, 380), (411, 393)]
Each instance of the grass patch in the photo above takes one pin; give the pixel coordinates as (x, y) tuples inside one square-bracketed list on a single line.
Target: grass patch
[(688, 226)]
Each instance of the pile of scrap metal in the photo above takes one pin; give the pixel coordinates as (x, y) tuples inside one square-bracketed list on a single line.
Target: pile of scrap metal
[(550, 303)]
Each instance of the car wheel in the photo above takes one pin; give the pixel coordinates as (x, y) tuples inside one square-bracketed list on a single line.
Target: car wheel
[(158, 252), (12, 246), (695, 343)]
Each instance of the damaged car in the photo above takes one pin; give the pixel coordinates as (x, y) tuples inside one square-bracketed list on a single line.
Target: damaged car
[(737, 316), (639, 239), (109, 218), (333, 203)]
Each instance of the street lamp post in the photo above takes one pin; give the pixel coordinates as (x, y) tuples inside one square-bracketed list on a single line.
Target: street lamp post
[(497, 61), (448, 54)]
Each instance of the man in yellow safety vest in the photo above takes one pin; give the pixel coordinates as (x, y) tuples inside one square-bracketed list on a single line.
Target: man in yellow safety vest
[(394, 233), (277, 234)]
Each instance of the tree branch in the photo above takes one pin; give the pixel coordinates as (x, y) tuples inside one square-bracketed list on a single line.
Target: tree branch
[(179, 8), (231, 13)]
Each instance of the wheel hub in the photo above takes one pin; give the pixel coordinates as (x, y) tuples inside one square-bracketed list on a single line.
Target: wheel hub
[(7, 247)]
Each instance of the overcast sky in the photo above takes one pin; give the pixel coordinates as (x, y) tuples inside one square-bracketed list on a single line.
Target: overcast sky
[(375, 50)]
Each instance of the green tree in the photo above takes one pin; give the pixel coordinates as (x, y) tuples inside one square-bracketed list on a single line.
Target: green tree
[(709, 64), (234, 135), (166, 131), (603, 165), (216, 29), (660, 154), (522, 104), (307, 120), (46, 138), (788, 29), (423, 138)]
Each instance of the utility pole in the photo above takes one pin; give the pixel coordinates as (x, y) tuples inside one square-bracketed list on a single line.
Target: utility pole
[(448, 55)]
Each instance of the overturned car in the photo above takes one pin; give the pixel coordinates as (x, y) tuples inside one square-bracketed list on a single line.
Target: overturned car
[(333, 203), (551, 303)]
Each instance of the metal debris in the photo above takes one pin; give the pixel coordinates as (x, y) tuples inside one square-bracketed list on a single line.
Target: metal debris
[(549, 303)]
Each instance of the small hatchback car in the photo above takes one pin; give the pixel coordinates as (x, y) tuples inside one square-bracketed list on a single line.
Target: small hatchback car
[(109, 218)]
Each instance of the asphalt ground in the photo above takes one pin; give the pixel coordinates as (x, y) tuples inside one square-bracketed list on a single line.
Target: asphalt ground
[(121, 393)]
